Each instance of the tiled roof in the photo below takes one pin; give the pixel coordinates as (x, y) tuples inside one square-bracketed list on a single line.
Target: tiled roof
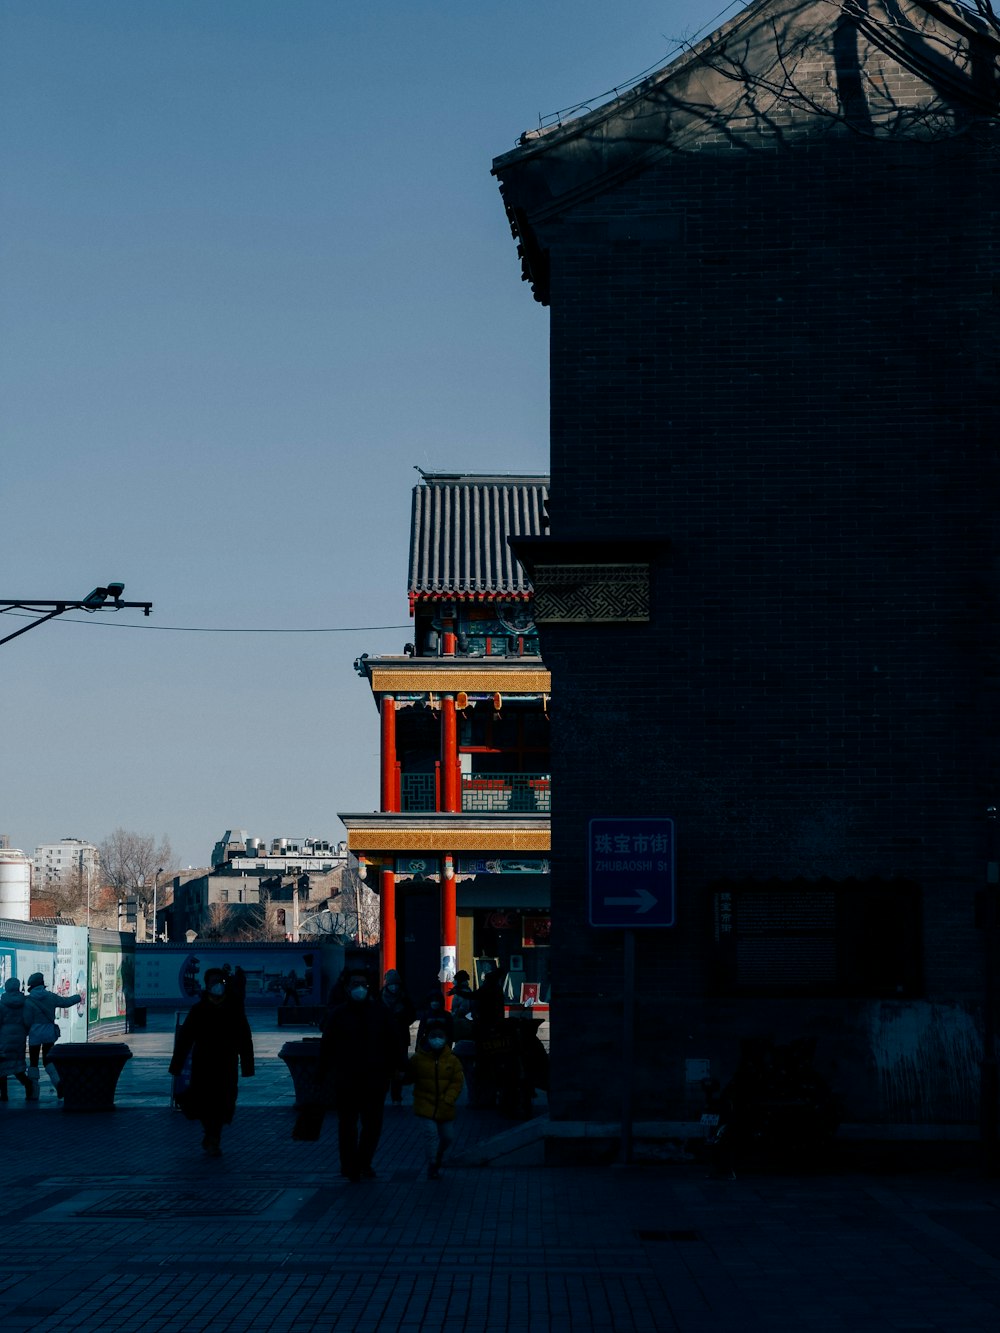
[(459, 529)]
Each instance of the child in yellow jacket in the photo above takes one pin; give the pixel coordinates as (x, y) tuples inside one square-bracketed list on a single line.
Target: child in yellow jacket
[(436, 1074)]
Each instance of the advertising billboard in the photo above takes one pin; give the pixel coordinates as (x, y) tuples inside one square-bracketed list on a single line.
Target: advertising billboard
[(174, 974)]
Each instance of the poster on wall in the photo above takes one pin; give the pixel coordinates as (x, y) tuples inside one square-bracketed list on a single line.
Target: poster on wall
[(71, 979), (106, 1000), (176, 977), (18, 960), (8, 963)]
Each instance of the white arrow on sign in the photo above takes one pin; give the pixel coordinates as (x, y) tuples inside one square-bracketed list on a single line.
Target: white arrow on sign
[(643, 900)]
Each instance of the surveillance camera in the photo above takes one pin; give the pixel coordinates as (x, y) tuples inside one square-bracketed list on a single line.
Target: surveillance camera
[(115, 590)]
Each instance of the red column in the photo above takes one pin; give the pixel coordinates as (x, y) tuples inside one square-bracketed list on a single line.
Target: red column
[(387, 918), (390, 785), (451, 788), (390, 801), (449, 919)]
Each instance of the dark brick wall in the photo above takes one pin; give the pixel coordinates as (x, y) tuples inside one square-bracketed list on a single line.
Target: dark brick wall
[(783, 362)]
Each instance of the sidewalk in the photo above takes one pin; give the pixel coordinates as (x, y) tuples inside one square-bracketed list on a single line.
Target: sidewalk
[(116, 1221)]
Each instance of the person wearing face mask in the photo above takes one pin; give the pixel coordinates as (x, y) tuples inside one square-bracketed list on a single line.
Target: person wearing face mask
[(216, 1035), (433, 1011), (360, 1049), (436, 1074)]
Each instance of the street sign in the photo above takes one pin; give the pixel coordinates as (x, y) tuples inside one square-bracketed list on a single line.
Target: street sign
[(631, 872)]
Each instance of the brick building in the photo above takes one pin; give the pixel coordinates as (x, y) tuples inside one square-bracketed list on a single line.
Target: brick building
[(768, 597)]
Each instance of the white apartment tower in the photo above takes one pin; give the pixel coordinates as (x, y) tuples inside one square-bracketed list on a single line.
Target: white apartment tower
[(70, 859)]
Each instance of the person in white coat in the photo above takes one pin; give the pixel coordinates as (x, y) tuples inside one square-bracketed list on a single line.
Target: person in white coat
[(43, 1033)]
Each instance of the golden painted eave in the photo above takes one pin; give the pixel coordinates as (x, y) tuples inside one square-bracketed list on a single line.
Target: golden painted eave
[(442, 675), (402, 833)]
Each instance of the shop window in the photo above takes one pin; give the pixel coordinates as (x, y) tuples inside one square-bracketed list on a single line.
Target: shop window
[(536, 931), (816, 937)]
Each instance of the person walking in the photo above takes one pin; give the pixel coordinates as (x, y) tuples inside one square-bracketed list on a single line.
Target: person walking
[(462, 1000), (436, 1074), (360, 1048), (461, 996), (43, 1032), (402, 1011), (216, 1035), (492, 1059), (13, 1040)]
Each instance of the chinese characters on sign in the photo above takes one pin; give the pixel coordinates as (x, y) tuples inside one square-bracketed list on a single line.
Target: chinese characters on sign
[(631, 864), (723, 915)]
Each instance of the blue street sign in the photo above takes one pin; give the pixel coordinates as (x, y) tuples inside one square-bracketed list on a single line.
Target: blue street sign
[(631, 872)]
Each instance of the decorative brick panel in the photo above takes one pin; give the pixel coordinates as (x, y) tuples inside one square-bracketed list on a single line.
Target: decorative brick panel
[(591, 594)]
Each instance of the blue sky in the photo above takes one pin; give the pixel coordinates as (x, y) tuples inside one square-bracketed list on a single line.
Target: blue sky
[(253, 270)]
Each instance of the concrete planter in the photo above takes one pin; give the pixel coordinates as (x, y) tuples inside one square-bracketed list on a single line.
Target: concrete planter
[(302, 1059), (88, 1073)]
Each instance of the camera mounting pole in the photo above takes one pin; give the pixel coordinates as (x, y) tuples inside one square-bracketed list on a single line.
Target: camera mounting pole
[(101, 599)]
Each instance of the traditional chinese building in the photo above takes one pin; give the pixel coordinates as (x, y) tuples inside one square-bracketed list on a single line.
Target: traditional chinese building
[(459, 847)]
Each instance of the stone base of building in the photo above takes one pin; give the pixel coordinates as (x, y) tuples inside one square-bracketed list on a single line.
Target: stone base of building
[(877, 1148)]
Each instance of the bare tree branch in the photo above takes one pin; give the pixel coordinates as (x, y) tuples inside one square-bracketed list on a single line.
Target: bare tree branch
[(129, 862)]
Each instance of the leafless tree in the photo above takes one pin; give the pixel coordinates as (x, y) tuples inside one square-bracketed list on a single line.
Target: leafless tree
[(61, 895), (258, 922), (919, 69), (70, 895), (359, 906), (218, 924), (129, 861), (987, 12), (803, 66)]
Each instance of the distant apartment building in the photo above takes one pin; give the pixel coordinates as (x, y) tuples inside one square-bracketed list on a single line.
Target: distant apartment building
[(237, 850), (247, 872), (70, 860)]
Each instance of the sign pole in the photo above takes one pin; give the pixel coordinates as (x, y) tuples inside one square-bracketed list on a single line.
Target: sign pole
[(628, 1044), (630, 887)]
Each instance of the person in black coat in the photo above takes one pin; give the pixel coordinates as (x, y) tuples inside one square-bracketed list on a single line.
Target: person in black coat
[(402, 1011), (217, 1036), (489, 1018), (360, 1048)]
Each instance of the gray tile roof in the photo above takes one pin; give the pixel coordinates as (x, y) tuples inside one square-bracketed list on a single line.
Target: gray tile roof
[(458, 534)]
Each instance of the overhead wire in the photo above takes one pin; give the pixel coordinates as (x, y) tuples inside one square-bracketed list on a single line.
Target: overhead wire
[(224, 629)]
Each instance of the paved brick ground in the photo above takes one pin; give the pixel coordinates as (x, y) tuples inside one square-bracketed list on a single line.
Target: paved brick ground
[(116, 1221)]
